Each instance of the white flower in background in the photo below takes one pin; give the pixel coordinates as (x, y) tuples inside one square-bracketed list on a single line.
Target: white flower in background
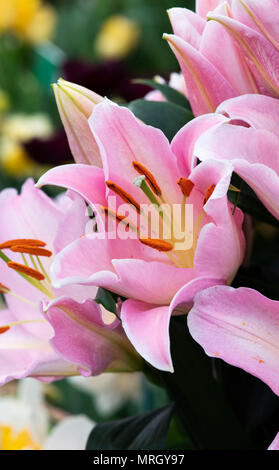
[(24, 423), (23, 127), (110, 391)]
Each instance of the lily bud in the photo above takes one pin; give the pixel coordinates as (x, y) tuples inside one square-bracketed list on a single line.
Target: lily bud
[(75, 104)]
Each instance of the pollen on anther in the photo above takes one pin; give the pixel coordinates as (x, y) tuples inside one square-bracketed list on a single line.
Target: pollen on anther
[(22, 241), (31, 250), (21, 268), (157, 244), (3, 329), (150, 179), (208, 193), (185, 185), (126, 197)]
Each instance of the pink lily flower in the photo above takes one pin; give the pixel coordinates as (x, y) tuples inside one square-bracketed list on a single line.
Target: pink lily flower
[(240, 326), (275, 443), (248, 137), (44, 332), (152, 273), (234, 53)]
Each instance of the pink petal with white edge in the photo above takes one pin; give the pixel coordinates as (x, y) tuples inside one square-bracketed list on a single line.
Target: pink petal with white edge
[(23, 354), (220, 49), (206, 87), (147, 327), (275, 443), (73, 225), (183, 300), (94, 262), (261, 16), (221, 244), (262, 57), (184, 141), (123, 139), (254, 154), (204, 6), (82, 338), (259, 111), (240, 326), (187, 25), (87, 181)]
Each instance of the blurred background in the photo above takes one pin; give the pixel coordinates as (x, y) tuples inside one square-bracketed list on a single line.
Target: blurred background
[(103, 45)]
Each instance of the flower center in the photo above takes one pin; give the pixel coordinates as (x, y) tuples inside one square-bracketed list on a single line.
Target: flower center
[(31, 251), (175, 234)]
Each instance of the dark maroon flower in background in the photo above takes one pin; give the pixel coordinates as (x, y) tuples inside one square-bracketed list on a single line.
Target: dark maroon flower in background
[(110, 79), (52, 151)]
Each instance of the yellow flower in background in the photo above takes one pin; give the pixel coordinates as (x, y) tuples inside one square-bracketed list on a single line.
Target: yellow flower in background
[(14, 160), (17, 129), (118, 37), (30, 19), (7, 15), (42, 26)]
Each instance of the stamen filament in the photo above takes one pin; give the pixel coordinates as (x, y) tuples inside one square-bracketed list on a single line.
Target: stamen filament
[(6, 290), (24, 259), (31, 280), (43, 270), (20, 322), (141, 183)]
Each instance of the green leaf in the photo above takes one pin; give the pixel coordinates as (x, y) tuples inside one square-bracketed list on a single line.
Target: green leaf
[(200, 401), (105, 298), (147, 431), (248, 202), (168, 117), (169, 93)]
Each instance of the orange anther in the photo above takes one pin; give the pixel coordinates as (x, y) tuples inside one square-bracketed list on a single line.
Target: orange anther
[(26, 270), (185, 185), (21, 241), (123, 194), (208, 193), (149, 177), (3, 329), (31, 250), (157, 244)]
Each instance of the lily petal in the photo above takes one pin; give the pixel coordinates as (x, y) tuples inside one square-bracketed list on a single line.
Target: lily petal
[(240, 326), (187, 25), (262, 57), (81, 336), (147, 327), (206, 87)]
